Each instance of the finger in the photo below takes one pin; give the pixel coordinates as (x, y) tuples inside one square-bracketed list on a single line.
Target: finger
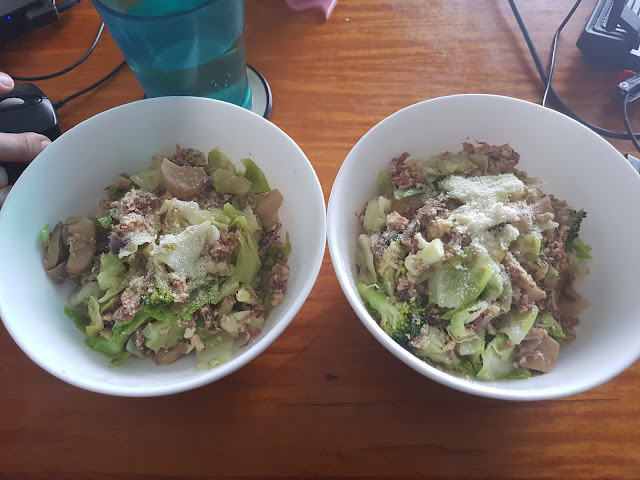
[(3, 194), (21, 147), (4, 177), (6, 83)]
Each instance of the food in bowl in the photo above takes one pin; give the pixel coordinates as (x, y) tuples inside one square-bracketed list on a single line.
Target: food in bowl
[(469, 265), (183, 257)]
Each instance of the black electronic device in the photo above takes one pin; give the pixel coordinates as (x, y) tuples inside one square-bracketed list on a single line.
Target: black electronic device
[(611, 36), (27, 109), (20, 16)]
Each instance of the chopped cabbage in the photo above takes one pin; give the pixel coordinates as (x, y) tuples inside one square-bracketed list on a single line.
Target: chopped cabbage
[(497, 358), (516, 324), (461, 279), (375, 215)]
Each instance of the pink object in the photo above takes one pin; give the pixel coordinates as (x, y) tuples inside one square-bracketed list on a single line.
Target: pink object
[(325, 5)]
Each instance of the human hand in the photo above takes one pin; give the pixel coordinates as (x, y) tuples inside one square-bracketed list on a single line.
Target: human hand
[(16, 147), (19, 147)]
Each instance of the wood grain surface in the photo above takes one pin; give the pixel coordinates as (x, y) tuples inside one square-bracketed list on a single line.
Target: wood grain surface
[(326, 400)]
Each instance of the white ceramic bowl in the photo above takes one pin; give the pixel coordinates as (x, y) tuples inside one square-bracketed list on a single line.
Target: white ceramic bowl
[(576, 165), (68, 179)]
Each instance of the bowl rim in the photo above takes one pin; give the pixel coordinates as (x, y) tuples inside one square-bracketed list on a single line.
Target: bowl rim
[(209, 376), (469, 386)]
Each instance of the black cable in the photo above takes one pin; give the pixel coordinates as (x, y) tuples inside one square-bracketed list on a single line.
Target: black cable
[(70, 67), (62, 103), (625, 102), (66, 5), (543, 76), (554, 49)]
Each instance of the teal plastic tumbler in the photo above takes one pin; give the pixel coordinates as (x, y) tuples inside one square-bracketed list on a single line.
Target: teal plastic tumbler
[(182, 47)]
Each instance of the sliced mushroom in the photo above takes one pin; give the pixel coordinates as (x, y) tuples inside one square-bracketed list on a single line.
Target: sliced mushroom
[(267, 205), (123, 182), (542, 357), (57, 250), (408, 206), (58, 273), (183, 182), (82, 245), (167, 357)]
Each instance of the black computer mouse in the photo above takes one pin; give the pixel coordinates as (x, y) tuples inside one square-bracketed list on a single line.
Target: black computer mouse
[(26, 109)]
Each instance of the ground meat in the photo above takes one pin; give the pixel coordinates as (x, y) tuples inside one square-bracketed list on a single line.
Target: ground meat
[(406, 290), (208, 315), (139, 202), (558, 205), (568, 325), (133, 224), (396, 222), (130, 298), (179, 288), (455, 241), (188, 157), (268, 238), (137, 217), (548, 304), (435, 317), (211, 199), (522, 279), (431, 209), (502, 158), (225, 245), (554, 254), (381, 241), (521, 300), (407, 236), (403, 175), (277, 286)]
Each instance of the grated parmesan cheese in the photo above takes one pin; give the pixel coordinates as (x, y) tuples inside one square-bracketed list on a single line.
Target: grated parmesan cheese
[(182, 251), (486, 202)]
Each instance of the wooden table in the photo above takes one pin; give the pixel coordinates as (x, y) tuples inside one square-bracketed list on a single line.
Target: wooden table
[(326, 400)]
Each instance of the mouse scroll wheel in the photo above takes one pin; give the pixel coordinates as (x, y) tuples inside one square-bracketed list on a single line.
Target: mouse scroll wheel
[(11, 102)]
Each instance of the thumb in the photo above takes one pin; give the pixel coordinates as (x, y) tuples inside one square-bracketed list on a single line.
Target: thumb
[(6, 83), (21, 147)]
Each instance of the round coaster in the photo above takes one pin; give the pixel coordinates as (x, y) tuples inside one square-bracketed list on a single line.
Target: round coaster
[(262, 101)]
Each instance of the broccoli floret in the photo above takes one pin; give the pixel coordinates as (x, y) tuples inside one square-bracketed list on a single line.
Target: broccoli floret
[(402, 321), (391, 265), (160, 295), (272, 255), (582, 251), (574, 227), (157, 298)]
